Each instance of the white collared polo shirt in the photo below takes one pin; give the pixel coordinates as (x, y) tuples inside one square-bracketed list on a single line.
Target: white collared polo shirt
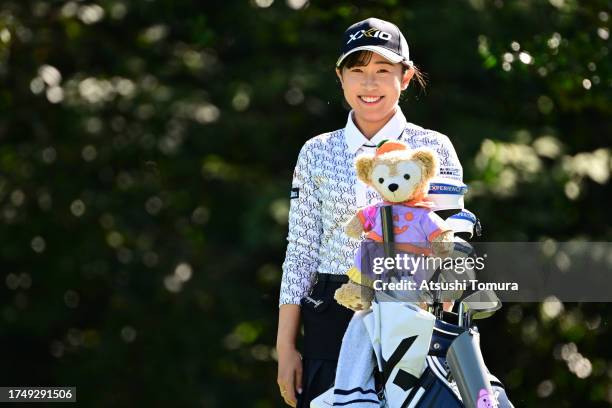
[(325, 193)]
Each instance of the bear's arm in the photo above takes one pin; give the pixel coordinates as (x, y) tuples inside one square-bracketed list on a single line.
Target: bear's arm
[(354, 227), (438, 233)]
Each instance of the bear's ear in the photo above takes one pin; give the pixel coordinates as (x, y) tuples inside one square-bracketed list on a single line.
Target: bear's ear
[(364, 164), (428, 160)]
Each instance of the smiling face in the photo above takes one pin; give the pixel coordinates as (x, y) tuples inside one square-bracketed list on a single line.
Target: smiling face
[(373, 91), (396, 182)]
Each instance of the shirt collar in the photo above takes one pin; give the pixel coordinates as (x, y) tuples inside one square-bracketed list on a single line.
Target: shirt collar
[(392, 130)]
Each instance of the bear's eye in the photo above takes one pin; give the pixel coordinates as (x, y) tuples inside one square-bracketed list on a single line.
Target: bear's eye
[(381, 180), (407, 176)]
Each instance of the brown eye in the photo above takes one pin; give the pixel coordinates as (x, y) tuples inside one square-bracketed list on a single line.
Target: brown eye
[(381, 180), (407, 176)]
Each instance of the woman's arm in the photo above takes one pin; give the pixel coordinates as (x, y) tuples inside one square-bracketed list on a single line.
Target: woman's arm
[(289, 359), (450, 167), (299, 269)]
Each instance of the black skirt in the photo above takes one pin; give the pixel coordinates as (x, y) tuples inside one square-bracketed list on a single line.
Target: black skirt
[(325, 322)]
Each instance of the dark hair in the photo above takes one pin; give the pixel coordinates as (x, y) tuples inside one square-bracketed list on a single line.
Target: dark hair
[(361, 58)]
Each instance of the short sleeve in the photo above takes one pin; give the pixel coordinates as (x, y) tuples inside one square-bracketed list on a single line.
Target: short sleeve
[(433, 225)]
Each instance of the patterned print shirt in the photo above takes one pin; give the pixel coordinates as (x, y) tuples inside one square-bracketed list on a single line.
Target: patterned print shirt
[(325, 193)]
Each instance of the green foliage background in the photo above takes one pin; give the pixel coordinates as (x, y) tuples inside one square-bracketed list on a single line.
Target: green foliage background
[(146, 153)]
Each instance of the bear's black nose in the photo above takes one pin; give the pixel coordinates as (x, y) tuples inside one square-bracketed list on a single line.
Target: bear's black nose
[(393, 187)]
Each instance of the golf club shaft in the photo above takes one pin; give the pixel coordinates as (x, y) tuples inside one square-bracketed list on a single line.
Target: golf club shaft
[(386, 215)]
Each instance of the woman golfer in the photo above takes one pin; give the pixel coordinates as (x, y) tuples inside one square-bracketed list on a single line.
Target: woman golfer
[(374, 67)]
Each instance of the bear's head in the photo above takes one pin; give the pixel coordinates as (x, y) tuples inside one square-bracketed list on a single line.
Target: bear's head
[(398, 173)]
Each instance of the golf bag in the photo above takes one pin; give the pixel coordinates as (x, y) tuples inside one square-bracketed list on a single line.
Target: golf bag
[(398, 355)]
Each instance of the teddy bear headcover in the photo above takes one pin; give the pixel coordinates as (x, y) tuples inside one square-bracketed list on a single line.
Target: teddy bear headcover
[(396, 159)]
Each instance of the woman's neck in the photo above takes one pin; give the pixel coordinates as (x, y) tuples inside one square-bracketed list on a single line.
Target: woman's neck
[(369, 129)]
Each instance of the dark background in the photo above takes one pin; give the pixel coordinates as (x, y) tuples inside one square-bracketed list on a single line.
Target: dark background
[(146, 153)]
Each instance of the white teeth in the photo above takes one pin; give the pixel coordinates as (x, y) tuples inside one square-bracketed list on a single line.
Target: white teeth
[(370, 99)]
